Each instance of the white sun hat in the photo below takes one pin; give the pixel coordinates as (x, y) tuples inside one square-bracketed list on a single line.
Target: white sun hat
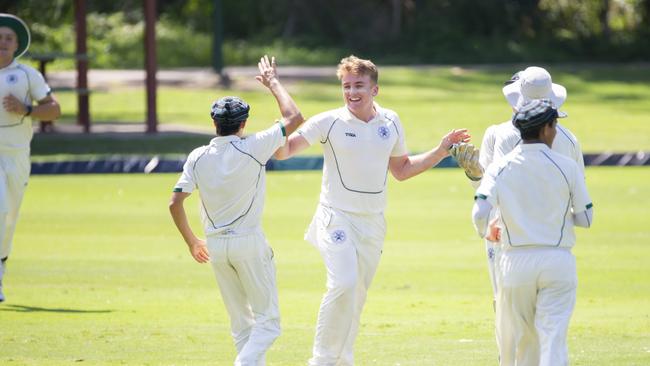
[(534, 83)]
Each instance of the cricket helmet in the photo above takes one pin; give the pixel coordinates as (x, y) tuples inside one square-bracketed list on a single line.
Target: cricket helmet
[(229, 111)]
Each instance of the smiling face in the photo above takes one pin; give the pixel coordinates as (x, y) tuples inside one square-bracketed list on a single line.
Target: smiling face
[(359, 91), (8, 45)]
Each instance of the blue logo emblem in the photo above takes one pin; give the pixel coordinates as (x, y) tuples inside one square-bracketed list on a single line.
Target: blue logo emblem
[(339, 236), (383, 132), (12, 79), (491, 253)]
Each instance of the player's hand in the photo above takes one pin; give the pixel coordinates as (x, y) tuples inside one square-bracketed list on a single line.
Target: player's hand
[(494, 231), (268, 71), (14, 105), (454, 137), (199, 251)]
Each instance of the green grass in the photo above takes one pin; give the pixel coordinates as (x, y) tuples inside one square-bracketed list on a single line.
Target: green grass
[(99, 276), (607, 105)]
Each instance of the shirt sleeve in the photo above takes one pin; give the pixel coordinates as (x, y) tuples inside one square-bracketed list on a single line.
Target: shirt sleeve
[(38, 88), (488, 188), (315, 128), (399, 149), (263, 144), (186, 181), (486, 154), (579, 158), (580, 197), (505, 140)]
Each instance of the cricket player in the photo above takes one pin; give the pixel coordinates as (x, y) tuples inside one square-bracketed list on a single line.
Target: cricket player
[(541, 195), (361, 142), (20, 87), (230, 176), (500, 139)]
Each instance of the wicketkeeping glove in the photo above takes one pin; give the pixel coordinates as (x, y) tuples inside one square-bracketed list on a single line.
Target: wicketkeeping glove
[(466, 156)]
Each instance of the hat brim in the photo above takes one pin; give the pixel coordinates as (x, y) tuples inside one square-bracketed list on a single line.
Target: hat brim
[(515, 98), (21, 30)]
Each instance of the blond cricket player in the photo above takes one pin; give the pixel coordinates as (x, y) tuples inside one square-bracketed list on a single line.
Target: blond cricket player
[(361, 143)]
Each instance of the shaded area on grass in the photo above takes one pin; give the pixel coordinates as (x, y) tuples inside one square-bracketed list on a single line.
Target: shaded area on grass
[(123, 143), (33, 309)]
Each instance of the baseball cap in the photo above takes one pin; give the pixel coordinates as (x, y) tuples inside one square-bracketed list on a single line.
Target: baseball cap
[(535, 113), (20, 28), (533, 83), (229, 110)]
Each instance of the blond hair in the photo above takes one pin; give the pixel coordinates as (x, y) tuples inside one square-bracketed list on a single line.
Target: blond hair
[(357, 66)]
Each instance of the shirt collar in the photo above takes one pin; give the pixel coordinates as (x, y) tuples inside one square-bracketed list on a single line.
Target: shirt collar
[(348, 116), (534, 147), (221, 140)]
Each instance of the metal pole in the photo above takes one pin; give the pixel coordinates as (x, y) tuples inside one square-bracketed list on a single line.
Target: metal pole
[(83, 116), (217, 38), (150, 63)]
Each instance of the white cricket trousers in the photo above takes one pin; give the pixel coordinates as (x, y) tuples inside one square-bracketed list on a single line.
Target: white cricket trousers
[(245, 272), (14, 174), (350, 245), (535, 300)]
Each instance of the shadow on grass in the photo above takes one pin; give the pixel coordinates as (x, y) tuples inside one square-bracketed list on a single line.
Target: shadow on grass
[(117, 143), (36, 309)]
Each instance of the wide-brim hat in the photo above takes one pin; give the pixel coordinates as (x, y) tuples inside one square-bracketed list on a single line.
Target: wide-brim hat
[(534, 83), (21, 30)]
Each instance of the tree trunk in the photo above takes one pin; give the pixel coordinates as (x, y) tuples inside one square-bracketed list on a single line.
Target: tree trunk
[(395, 18), (603, 16)]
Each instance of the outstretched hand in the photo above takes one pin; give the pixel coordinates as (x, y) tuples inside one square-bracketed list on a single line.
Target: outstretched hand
[(268, 71), (454, 137)]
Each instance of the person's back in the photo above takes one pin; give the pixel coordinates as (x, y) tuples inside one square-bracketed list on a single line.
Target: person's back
[(534, 184), (231, 177)]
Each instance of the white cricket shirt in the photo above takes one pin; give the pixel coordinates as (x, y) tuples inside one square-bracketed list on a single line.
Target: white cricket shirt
[(231, 178), (507, 137), (26, 84), (356, 155), (536, 191)]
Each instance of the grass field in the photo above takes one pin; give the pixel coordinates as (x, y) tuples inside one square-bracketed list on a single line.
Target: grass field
[(99, 276), (607, 104)]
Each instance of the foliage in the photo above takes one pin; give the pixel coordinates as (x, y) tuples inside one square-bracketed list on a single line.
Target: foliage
[(397, 31)]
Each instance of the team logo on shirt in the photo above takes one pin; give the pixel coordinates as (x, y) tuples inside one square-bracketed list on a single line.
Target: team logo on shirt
[(383, 132), (338, 236), (491, 253), (12, 79)]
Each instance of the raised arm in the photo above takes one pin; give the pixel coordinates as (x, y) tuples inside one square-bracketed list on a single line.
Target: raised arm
[(269, 78), (404, 167)]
